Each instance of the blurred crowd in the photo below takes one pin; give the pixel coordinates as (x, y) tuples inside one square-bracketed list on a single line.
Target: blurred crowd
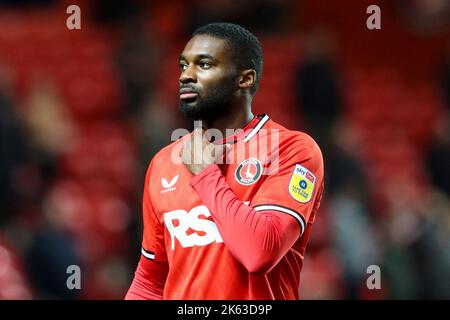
[(82, 112)]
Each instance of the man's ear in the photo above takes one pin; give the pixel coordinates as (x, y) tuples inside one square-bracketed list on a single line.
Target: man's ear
[(247, 79)]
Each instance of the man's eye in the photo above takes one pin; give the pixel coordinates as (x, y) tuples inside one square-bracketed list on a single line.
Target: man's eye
[(182, 66), (205, 65)]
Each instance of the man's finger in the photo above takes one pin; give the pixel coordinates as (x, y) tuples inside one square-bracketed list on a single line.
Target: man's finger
[(186, 151), (208, 154), (220, 153)]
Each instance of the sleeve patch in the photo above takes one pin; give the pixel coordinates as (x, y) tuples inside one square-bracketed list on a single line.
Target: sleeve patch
[(301, 185)]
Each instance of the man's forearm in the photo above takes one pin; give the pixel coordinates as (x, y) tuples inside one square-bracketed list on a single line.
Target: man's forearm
[(148, 282), (258, 239)]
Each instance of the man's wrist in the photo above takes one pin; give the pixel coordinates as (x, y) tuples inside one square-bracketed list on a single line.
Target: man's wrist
[(206, 171)]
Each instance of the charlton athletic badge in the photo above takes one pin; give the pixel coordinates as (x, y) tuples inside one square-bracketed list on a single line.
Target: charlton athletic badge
[(248, 171)]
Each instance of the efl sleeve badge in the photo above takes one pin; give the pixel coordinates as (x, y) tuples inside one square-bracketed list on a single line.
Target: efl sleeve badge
[(301, 186)]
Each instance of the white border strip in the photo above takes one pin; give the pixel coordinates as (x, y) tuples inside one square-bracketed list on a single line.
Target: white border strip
[(256, 129), (147, 255), (285, 210)]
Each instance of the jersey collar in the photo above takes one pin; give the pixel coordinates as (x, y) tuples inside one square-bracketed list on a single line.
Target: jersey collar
[(248, 132)]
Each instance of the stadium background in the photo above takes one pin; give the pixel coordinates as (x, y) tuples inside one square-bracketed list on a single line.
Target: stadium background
[(82, 112)]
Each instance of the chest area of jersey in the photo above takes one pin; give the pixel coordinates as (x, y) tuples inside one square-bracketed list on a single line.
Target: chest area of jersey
[(171, 189), (187, 221)]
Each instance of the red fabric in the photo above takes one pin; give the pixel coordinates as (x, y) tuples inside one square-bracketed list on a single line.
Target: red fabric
[(257, 239), (204, 233), (267, 235), (148, 282)]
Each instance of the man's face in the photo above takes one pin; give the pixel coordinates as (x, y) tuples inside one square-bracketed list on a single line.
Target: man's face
[(208, 78)]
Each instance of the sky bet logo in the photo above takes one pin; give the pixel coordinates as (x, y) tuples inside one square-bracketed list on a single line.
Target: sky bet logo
[(305, 173), (301, 186)]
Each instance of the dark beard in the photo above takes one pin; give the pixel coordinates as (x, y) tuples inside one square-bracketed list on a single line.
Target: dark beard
[(212, 106)]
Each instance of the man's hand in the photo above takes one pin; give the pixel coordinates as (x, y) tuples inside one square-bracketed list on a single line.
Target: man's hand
[(198, 153)]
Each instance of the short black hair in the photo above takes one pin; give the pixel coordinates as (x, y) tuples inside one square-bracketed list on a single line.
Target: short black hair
[(247, 51)]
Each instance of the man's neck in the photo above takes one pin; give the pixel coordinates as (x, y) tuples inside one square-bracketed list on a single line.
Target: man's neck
[(235, 120)]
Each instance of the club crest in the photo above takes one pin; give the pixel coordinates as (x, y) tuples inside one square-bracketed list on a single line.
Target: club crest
[(248, 171)]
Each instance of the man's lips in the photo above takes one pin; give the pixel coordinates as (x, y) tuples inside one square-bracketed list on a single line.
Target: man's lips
[(187, 93)]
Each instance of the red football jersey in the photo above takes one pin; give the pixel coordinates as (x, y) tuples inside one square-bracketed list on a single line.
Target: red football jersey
[(268, 168)]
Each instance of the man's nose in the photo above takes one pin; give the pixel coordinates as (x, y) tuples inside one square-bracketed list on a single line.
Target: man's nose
[(188, 75)]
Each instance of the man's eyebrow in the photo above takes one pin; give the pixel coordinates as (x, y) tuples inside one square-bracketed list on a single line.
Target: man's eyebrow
[(199, 57), (205, 56)]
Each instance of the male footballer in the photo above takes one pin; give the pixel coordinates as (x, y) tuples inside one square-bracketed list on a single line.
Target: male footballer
[(227, 216)]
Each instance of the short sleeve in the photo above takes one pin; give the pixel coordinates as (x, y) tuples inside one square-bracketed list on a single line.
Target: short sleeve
[(295, 186), (153, 245)]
